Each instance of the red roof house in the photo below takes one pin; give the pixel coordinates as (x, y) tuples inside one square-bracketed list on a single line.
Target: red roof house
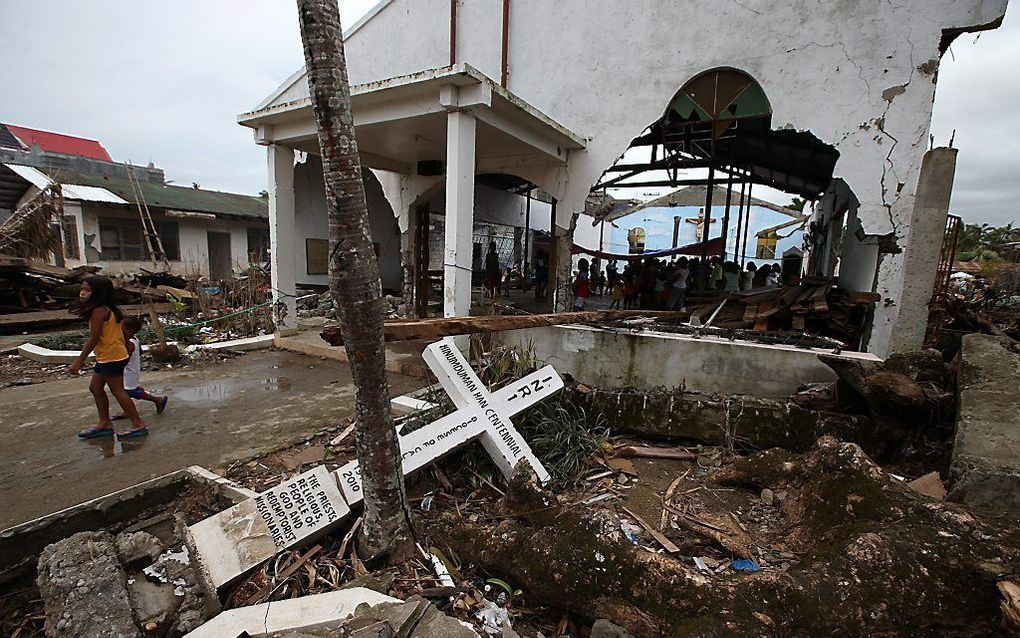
[(58, 142)]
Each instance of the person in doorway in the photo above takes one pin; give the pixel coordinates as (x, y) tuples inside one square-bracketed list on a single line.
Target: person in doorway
[(678, 289), (630, 290), (747, 277), (772, 278), (731, 276), (612, 273), (580, 287), (133, 370), (600, 283), (715, 275), (758, 280), (107, 339), (617, 293), (492, 272), (541, 277)]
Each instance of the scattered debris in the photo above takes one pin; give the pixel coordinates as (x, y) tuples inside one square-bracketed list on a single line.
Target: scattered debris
[(930, 485), (647, 451), (744, 565)]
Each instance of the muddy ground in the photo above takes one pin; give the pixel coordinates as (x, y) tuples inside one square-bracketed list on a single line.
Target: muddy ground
[(237, 409)]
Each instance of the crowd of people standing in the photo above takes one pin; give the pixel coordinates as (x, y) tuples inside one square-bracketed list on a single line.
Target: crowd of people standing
[(659, 284)]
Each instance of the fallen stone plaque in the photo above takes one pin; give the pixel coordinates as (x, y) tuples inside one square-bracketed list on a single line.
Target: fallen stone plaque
[(235, 540)]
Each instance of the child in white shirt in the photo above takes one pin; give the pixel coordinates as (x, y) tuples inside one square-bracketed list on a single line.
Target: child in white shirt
[(133, 370)]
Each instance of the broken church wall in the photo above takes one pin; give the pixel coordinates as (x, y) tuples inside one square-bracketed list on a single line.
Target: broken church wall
[(610, 358)]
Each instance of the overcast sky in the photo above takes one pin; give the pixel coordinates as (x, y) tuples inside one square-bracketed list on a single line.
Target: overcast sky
[(164, 82)]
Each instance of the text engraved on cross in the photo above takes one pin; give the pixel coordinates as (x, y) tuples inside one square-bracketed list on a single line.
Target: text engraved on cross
[(484, 415), (500, 438)]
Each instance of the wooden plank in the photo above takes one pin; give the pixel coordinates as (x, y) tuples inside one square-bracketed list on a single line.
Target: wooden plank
[(414, 329), (44, 317), (16, 264)]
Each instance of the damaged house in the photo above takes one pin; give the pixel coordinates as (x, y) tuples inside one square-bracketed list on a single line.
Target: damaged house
[(836, 111), (202, 232)]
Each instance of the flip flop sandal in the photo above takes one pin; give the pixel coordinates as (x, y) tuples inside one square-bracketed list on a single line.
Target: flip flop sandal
[(131, 434), (162, 406), (94, 432)]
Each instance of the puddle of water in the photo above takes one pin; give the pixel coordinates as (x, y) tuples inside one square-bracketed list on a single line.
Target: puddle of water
[(216, 392), (110, 446)]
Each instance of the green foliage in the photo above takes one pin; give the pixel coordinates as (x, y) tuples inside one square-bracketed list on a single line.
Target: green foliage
[(563, 437), (184, 335), (66, 341), (991, 244)]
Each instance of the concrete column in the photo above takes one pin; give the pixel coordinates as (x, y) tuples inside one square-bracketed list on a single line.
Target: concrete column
[(922, 247), (281, 238), (460, 211)]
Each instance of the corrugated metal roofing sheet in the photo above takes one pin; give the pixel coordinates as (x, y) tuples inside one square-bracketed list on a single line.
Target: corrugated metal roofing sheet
[(90, 194), (33, 176)]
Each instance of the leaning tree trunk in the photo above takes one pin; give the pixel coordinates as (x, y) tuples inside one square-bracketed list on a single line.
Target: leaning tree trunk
[(354, 282)]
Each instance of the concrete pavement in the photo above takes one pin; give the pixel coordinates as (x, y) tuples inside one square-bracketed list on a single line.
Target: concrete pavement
[(217, 414)]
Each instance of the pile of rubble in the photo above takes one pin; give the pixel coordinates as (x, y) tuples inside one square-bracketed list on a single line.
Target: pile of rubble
[(34, 294), (147, 586), (814, 306), (315, 304)]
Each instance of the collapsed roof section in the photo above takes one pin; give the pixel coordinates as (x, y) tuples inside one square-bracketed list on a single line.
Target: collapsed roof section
[(695, 196), (722, 120)]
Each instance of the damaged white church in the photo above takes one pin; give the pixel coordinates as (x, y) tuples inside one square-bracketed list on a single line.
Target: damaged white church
[(464, 108)]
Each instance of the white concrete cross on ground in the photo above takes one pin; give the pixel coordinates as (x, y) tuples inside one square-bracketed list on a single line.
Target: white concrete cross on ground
[(230, 543), (479, 414)]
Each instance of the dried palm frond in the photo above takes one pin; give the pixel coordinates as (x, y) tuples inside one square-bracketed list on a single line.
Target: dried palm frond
[(27, 232)]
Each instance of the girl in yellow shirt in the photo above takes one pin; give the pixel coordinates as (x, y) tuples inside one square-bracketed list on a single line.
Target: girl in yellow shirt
[(107, 340)]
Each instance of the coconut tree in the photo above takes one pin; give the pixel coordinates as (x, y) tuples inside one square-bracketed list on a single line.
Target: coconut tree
[(354, 283)]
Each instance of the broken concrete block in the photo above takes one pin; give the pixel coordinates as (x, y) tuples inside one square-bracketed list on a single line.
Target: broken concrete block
[(236, 540), (303, 614), (84, 588), (138, 549), (154, 604), (415, 617), (605, 629), (985, 465)]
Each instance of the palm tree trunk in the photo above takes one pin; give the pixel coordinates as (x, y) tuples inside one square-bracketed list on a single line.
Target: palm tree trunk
[(354, 282)]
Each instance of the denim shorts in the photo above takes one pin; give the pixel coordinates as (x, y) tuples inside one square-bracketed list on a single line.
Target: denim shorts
[(110, 368)]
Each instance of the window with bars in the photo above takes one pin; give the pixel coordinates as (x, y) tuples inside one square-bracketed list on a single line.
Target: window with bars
[(123, 240)]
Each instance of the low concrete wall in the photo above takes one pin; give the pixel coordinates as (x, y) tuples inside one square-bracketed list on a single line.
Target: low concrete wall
[(986, 463), (615, 358), (19, 545)]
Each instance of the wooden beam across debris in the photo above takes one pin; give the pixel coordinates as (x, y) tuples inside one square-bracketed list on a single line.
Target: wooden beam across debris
[(412, 329), (47, 317)]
